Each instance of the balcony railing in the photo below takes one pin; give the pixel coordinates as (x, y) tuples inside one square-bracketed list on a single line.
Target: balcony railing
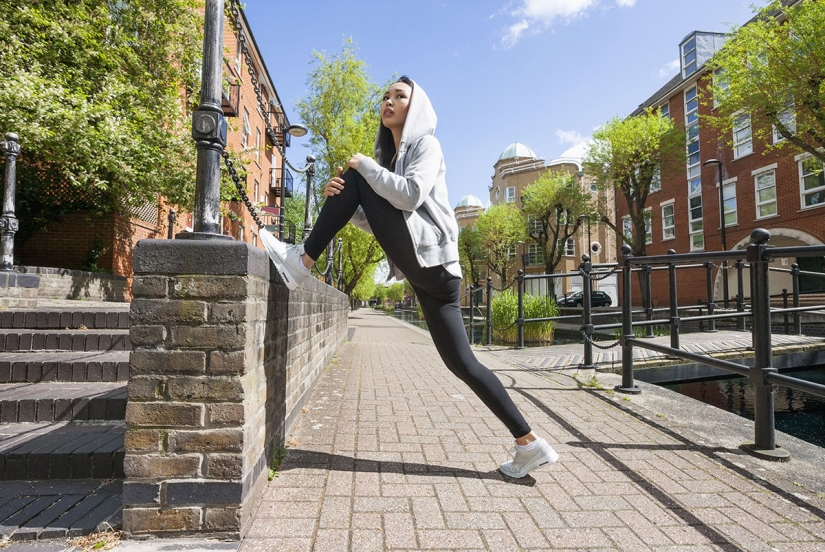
[(282, 186)]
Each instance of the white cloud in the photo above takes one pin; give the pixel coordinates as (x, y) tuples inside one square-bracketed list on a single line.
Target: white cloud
[(669, 69), (569, 136), (536, 15)]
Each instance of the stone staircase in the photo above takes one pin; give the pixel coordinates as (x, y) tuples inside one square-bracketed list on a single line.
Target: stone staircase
[(63, 373)]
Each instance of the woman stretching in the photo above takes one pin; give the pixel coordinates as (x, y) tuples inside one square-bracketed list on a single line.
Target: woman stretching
[(401, 198)]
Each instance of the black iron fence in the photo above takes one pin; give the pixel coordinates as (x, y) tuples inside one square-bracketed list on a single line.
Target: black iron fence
[(762, 375)]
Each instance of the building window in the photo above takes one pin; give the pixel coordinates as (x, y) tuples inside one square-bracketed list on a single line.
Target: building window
[(742, 136), (648, 214), (255, 240), (694, 170), (535, 254), (510, 194), (238, 63), (511, 253), (656, 181), (788, 119), (729, 202), (245, 131), (766, 194), (721, 83), (255, 192), (498, 192), (594, 187), (664, 110), (534, 225), (627, 229), (689, 57), (258, 146), (668, 222), (240, 233), (568, 247), (812, 181)]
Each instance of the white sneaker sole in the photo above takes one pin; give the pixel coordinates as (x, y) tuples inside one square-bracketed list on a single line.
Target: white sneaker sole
[(271, 245)]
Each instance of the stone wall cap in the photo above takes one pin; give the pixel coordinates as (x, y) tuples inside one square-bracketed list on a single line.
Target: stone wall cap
[(219, 257)]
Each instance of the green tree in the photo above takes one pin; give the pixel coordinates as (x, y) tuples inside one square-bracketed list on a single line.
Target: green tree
[(629, 154), (395, 292), (556, 201), (774, 70), (501, 228), (100, 94), (379, 293), (470, 252), (340, 111)]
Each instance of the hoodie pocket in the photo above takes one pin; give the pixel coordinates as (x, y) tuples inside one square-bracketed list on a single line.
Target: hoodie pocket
[(423, 230)]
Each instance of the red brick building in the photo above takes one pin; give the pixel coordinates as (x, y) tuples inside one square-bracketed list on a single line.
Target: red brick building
[(778, 189), (67, 242)]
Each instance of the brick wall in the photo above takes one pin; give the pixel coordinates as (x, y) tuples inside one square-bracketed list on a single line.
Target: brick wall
[(223, 358), (63, 283), (792, 225)]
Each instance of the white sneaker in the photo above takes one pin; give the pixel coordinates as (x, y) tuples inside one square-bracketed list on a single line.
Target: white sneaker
[(286, 258), (525, 461)]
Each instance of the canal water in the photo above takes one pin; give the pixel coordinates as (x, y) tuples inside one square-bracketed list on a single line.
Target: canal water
[(799, 414)]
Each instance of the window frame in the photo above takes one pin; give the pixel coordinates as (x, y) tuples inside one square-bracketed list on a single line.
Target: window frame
[(737, 154), (694, 169), (694, 63), (757, 174), (819, 189), (627, 228), (245, 129), (729, 183), (670, 204), (507, 195), (535, 253), (789, 113)]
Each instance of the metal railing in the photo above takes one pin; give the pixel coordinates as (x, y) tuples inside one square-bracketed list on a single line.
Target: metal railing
[(762, 375)]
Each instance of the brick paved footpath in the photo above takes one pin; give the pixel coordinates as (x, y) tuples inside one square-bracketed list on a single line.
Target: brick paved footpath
[(394, 453)]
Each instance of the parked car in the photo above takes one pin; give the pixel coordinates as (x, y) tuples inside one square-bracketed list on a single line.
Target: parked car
[(598, 299)]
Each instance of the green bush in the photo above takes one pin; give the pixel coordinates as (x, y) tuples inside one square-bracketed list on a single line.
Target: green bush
[(504, 311), (419, 311)]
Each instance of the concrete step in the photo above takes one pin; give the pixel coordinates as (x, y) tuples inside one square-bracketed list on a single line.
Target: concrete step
[(12, 340), (73, 450), (39, 510), (112, 317), (61, 402), (93, 366)]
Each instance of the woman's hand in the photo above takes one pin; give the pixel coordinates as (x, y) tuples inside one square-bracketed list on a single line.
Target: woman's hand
[(335, 184), (355, 160)]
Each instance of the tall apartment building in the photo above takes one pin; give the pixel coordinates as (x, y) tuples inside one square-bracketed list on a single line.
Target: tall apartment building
[(781, 190)]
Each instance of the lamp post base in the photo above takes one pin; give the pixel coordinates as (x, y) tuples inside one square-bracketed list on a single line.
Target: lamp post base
[(776, 455), (201, 236)]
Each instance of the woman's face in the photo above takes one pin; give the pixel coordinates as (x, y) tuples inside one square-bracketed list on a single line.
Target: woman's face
[(394, 105)]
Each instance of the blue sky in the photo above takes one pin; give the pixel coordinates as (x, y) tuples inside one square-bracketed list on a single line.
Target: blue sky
[(541, 72)]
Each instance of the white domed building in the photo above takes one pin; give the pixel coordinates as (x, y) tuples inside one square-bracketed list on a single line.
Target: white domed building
[(467, 210)]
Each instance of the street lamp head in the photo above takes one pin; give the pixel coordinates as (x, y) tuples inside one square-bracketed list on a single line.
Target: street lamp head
[(712, 163), (296, 130)]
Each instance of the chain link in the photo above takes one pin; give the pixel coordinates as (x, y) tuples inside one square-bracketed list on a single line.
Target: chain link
[(598, 276), (596, 345), (237, 180)]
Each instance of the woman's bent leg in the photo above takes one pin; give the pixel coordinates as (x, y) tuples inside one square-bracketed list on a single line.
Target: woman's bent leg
[(334, 215)]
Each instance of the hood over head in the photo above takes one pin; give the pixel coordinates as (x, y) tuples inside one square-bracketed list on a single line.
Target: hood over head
[(420, 121)]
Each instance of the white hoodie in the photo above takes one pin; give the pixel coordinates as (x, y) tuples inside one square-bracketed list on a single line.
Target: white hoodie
[(418, 188)]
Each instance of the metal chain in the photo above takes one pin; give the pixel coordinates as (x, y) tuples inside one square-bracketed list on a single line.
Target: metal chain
[(601, 275), (596, 345), (237, 180)]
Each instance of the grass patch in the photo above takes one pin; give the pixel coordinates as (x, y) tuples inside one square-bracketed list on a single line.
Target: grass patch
[(103, 540), (277, 458)]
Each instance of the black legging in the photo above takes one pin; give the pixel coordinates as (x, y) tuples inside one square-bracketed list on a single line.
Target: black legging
[(437, 290)]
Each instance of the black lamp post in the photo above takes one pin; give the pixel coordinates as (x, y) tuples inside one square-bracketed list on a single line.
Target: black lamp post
[(717, 163)]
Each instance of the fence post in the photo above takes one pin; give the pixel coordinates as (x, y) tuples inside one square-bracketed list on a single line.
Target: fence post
[(675, 321), (709, 266), (785, 319), (8, 221), (587, 312), (764, 445), (170, 218), (489, 312), (797, 317), (648, 300), (740, 295), (628, 385), (472, 296), (520, 309)]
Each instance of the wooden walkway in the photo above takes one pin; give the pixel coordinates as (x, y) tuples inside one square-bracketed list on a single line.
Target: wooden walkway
[(722, 344)]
